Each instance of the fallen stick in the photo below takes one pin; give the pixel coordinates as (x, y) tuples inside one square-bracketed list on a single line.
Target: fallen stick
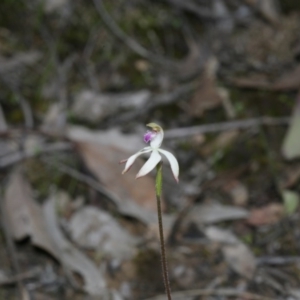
[(224, 126)]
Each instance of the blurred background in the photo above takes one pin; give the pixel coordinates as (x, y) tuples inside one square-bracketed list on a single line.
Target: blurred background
[(79, 80)]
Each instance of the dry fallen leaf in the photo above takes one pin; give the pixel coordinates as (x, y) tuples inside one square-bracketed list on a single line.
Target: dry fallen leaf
[(291, 144), (54, 120), (221, 236), (237, 254), (27, 218), (257, 81), (11, 151), (207, 95), (238, 192), (101, 153), (51, 6), (290, 177), (41, 296), (240, 259), (91, 106), (70, 257), (95, 229), (209, 213), (25, 215), (269, 214), (294, 292), (267, 8), (290, 201), (222, 141), (102, 161), (18, 61), (111, 137), (288, 81)]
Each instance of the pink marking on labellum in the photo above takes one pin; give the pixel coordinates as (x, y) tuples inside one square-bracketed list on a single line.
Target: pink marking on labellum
[(148, 136)]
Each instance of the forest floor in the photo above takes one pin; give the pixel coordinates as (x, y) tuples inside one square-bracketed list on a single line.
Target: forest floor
[(79, 81)]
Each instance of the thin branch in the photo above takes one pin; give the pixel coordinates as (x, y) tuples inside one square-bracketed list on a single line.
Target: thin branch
[(121, 207), (83, 178), (35, 272), (62, 70), (18, 62), (278, 260), (224, 126), (15, 157), (227, 292)]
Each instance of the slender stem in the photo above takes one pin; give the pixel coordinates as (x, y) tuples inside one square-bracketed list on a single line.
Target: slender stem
[(161, 232)]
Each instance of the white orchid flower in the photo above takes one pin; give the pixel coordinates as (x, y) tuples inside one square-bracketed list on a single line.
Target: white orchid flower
[(155, 137)]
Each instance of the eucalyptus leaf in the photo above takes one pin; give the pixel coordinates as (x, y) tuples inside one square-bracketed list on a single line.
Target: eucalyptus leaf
[(291, 201), (291, 144)]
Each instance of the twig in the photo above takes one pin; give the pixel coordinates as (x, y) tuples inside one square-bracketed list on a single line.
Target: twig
[(13, 158), (12, 132), (18, 62), (209, 292), (224, 126), (121, 207), (278, 260), (128, 41), (22, 276), (83, 178), (62, 70)]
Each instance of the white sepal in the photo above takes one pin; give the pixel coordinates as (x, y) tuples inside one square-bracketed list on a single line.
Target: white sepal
[(150, 164), (157, 140), (133, 157), (173, 163)]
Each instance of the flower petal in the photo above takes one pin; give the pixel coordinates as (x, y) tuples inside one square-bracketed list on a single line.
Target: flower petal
[(132, 158), (158, 138), (148, 136), (150, 164), (173, 163)]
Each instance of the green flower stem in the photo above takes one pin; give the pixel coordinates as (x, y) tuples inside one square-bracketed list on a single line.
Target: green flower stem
[(158, 187)]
